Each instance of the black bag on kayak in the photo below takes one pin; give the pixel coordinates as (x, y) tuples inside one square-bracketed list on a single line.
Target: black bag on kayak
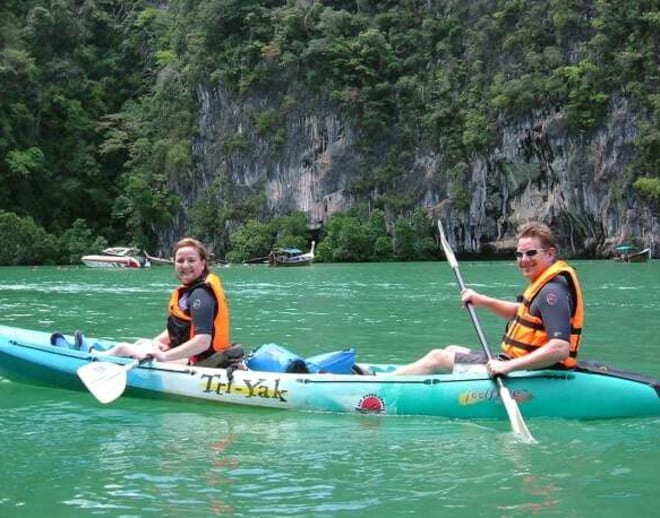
[(229, 357)]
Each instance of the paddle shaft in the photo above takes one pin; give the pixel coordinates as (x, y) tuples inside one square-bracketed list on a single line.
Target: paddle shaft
[(453, 263), (473, 316), (136, 363), (476, 323)]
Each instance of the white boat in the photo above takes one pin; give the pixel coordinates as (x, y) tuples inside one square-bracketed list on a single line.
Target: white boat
[(159, 261), (117, 257)]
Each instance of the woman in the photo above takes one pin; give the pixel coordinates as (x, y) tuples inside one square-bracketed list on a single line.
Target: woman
[(198, 320)]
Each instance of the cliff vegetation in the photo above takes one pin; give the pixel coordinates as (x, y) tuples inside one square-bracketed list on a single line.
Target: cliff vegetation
[(261, 123)]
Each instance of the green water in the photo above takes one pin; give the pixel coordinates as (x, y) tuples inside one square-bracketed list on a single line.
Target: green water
[(64, 454)]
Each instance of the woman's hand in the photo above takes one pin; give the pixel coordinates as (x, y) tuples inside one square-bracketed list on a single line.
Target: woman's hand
[(150, 349), (157, 344), (154, 353)]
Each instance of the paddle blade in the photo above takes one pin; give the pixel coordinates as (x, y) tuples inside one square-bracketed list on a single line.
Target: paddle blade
[(449, 252), (106, 381), (518, 425)]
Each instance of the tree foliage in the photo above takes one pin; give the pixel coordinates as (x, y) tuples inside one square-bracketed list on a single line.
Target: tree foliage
[(24, 242), (254, 240), (99, 113)]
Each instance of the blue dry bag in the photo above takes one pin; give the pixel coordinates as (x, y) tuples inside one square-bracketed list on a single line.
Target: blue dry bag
[(336, 362), (274, 358)]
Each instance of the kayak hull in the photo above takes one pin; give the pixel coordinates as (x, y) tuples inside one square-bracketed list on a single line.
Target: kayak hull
[(598, 393)]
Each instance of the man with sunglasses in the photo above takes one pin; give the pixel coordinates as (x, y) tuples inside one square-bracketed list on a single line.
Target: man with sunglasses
[(545, 324)]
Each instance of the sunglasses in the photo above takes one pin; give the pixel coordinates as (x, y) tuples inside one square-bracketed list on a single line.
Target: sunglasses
[(529, 253)]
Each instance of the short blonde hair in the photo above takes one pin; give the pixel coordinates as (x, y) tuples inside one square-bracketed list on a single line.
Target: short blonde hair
[(540, 231)]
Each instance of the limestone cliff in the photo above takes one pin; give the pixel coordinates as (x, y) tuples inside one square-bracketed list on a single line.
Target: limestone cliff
[(537, 170)]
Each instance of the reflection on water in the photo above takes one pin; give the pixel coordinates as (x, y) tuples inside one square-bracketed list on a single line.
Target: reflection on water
[(175, 458)]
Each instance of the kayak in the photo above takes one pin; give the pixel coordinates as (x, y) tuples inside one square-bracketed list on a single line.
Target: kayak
[(592, 391)]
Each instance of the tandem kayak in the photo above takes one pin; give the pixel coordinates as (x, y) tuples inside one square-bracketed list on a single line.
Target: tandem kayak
[(592, 391)]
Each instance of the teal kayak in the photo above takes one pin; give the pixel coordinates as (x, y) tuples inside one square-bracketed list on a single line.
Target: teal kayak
[(592, 391)]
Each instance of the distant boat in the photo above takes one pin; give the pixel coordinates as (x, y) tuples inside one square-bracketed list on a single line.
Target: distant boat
[(159, 261), (631, 254), (117, 257), (290, 257)]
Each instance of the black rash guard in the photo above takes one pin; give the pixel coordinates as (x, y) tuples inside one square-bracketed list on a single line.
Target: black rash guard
[(554, 305), (202, 307)]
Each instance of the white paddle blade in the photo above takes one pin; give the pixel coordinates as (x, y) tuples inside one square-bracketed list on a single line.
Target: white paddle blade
[(449, 253), (518, 425), (106, 381)]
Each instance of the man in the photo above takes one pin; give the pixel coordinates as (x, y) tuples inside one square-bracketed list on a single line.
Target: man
[(545, 324)]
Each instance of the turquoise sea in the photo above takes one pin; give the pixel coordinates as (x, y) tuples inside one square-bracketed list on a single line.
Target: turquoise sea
[(64, 454)]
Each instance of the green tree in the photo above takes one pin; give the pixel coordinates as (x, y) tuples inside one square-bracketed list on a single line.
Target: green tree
[(252, 240), (377, 231), (346, 240), (291, 231), (79, 240), (24, 242)]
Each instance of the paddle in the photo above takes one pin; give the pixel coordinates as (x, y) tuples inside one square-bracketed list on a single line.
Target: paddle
[(518, 424), (106, 380)]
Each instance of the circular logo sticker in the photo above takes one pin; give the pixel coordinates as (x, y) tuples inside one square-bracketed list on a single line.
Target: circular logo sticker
[(371, 403)]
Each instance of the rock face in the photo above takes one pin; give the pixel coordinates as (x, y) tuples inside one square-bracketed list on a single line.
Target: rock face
[(578, 185), (307, 172), (538, 170)]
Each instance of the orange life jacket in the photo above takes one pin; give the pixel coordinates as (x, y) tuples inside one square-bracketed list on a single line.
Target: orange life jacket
[(525, 332), (180, 322)]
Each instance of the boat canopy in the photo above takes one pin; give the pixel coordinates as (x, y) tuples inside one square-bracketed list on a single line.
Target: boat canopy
[(121, 251)]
